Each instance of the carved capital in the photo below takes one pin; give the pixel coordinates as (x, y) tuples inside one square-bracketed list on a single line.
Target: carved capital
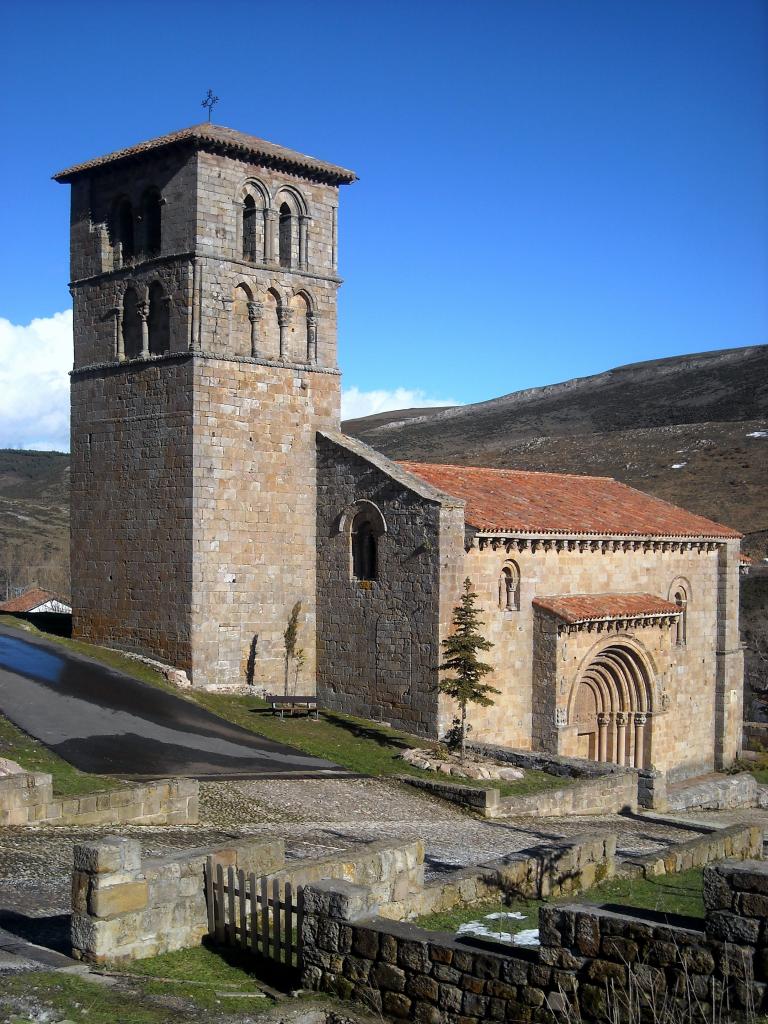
[(142, 308), (621, 719), (255, 311), (284, 316), (604, 719), (270, 214), (641, 718), (311, 319)]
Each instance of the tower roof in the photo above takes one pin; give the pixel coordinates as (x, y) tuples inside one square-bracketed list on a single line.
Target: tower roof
[(216, 138)]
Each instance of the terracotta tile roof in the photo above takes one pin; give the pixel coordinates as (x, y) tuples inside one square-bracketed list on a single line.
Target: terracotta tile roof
[(29, 600), (214, 136), (518, 501), (596, 607), (745, 559)]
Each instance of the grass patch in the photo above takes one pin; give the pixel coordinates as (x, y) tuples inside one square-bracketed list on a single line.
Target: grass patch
[(667, 894), (36, 757), (167, 988), (367, 748)]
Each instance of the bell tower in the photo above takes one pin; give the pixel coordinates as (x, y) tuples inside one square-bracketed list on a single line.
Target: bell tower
[(204, 281)]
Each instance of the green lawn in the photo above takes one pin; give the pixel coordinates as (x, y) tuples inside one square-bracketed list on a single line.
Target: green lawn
[(175, 987), (668, 894), (359, 745)]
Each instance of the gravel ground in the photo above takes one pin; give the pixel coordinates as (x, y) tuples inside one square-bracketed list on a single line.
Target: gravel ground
[(316, 818)]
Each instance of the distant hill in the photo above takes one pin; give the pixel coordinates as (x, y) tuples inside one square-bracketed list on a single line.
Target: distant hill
[(692, 429), (34, 520)]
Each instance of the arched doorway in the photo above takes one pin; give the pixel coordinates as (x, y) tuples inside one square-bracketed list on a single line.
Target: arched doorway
[(610, 708)]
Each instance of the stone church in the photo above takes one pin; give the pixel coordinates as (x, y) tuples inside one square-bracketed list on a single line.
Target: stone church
[(212, 490)]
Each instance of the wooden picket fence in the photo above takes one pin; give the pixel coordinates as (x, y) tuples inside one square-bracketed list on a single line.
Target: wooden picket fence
[(252, 913)]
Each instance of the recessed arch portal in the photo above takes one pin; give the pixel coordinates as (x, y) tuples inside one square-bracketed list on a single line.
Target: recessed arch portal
[(610, 706)]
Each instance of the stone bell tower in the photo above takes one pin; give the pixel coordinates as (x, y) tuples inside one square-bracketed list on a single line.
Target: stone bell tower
[(204, 284)]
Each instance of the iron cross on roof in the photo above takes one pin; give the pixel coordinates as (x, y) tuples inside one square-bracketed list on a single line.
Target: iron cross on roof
[(209, 103)]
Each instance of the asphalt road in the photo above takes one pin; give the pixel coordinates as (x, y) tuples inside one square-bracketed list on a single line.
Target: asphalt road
[(103, 721)]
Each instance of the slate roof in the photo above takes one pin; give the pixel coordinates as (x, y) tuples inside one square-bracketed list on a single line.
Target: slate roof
[(216, 137), (599, 607), (519, 501), (29, 600)]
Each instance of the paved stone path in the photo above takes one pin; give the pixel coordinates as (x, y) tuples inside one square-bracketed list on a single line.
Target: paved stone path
[(105, 722)]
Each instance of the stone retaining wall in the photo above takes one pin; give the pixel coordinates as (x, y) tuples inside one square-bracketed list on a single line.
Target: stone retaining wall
[(715, 793), (739, 841), (588, 958), (125, 908), (27, 799), (606, 794), (551, 869)]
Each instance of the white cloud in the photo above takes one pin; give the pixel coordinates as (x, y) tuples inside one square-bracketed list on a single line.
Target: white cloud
[(355, 403), (35, 359)]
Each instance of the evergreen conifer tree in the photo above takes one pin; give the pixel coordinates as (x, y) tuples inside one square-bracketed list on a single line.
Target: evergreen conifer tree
[(460, 651)]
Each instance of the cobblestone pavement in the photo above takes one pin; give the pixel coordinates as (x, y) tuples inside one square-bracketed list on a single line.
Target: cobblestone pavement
[(316, 817)]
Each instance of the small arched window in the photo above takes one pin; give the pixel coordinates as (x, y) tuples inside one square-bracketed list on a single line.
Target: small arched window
[(364, 548), (131, 325), (509, 589), (249, 228), (124, 230), (285, 236), (153, 227), (681, 626), (158, 320)]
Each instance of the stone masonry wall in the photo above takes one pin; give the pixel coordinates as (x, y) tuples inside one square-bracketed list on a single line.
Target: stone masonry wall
[(131, 501), (378, 640), (125, 908), (687, 675), (589, 962), (254, 513), (27, 799)]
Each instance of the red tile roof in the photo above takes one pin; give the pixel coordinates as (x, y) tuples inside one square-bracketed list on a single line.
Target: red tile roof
[(594, 607), (29, 600), (215, 136), (745, 559), (518, 501)]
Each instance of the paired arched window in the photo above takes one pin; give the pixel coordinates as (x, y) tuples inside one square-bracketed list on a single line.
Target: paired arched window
[(680, 598), (509, 588), (158, 320), (152, 220), (123, 230), (131, 324), (365, 554), (285, 235), (250, 214)]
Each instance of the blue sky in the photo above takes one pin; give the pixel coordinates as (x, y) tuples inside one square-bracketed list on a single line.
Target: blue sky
[(548, 188)]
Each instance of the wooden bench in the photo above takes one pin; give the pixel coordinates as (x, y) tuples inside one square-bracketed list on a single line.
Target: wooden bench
[(293, 705)]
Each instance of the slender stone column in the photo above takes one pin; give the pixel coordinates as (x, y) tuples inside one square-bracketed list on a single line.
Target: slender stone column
[(304, 222), (640, 720), (311, 338), (270, 220), (119, 339), (143, 311), (284, 315), (603, 721), (621, 736), (255, 313)]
